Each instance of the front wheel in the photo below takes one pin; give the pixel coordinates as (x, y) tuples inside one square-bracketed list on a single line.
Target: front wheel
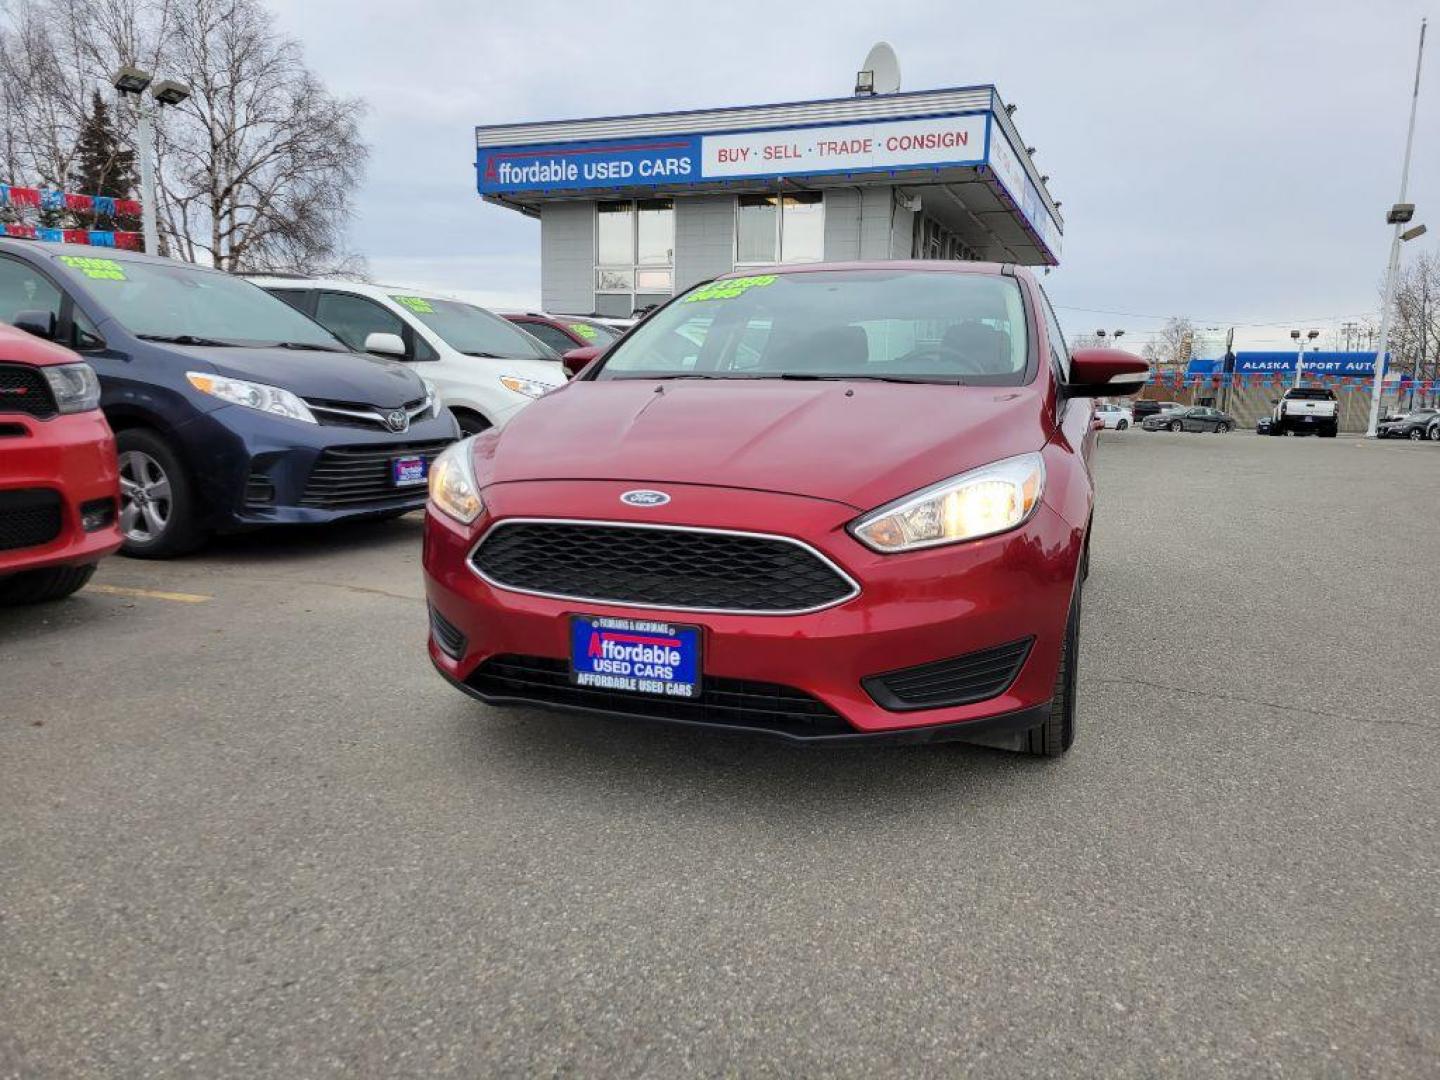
[(1435, 433), (1175, 425), (1222, 429), (38, 586), (159, 515), (1056, 735), (1121, 425), (1416, 435)]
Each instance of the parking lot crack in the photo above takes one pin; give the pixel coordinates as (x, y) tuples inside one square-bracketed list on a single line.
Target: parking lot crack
[(1242, 700)]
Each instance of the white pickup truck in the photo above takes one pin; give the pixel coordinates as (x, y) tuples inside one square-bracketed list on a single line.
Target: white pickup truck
[(1306, 410)]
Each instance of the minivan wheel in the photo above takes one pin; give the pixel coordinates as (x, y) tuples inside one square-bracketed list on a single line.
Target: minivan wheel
[(157, 501), (471, 423), (1056, 735)]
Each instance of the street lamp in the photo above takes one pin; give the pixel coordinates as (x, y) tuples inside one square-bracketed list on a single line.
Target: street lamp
[(1115, 335), (131, 80), (1310, 335)]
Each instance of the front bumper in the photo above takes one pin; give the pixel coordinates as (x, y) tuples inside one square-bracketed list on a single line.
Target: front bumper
[(72, 456), (912, 609), (256, 469)]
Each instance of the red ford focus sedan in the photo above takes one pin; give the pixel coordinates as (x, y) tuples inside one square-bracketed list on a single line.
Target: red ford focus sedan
[(59, 483), (832, 503)]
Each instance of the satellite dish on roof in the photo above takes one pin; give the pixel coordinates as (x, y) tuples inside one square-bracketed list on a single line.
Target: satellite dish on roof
[(880, 73)]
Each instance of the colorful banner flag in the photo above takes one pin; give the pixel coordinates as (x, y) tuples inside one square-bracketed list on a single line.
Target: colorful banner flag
[(102, 238), (130, 241), (77, 236), (78, 202), (127, 207), (52, 236), (24, 196), (20, 232), (104, 206)]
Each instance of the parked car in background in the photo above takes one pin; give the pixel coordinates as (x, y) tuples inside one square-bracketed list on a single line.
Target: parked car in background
[(1413, 425), (565, 332), (1264, 424), (1307, 410), (1195, 418), (1142, 409), (1114, 416), (1432, 430), (59, 487), (230, 409), (484, 368), (696, 551)]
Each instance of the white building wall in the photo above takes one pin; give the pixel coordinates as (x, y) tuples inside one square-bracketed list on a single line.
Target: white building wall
[(842, 225), (567, 257), (704, 238)]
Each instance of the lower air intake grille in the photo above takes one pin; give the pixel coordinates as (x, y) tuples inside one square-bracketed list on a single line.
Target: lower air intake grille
[(725, 702), (962, 680), (660, 567), (29, 517), (354, 476), (24, 390), (447, 635)]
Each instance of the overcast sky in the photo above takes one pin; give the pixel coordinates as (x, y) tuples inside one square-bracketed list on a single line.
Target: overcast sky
[(1227, 161)]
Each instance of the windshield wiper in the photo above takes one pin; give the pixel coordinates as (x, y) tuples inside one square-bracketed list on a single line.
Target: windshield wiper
[(305, 346), (186, 339), (482, 355), (802, 376)]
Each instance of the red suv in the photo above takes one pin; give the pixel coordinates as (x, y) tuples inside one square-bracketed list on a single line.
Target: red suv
[(829, 503), (59, 484)]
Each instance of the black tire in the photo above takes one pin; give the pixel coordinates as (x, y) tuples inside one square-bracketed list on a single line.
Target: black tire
[(39, 586), (1416, 434), (144, 537), (1121, 425), (1434, 433), (471, 423), (1222, 428), (1328, 434), (1057, 734), (1176, 425)]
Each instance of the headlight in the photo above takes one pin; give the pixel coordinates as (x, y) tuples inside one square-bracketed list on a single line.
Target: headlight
[(432, 399), (452, 483), (528, 387), (270, 399), (985, 501), (75, 387)]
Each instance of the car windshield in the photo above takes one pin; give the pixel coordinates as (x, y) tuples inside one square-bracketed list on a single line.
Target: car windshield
[(902, 325), (1309, 393), (177, 301), (594, 333), (473, 330)]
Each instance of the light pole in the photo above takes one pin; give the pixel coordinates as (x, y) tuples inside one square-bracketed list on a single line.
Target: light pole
[(131, 80), (1300, 351), (1115, 335), (1400, 215)]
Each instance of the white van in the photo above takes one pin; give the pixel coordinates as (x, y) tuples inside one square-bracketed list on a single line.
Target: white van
[(484, 368)]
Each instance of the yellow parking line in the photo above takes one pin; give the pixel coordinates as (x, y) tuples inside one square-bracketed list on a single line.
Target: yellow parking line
[(151, 594)]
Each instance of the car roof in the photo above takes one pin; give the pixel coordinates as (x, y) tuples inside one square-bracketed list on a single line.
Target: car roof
[(944, 266), (87, 251)]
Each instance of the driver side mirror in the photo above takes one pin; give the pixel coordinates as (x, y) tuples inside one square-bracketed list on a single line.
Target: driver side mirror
[(385, 345), (38, 322), (1105, 373), (577, 360)]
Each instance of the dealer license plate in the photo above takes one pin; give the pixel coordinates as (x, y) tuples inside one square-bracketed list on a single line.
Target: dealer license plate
[(408, 471), (635, 656)]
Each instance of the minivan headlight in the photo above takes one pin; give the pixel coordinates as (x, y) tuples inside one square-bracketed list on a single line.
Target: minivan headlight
[(453, 489), (432, 399), (75, 387), (531, 388), (992, 499), (251, 395)]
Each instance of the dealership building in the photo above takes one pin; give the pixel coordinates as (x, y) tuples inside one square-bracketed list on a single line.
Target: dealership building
[(635, 208)]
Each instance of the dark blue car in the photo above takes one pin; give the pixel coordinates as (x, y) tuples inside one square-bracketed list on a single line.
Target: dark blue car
[(230, 408)]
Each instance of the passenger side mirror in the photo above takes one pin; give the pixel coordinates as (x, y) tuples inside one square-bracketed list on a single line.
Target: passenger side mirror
[(577, 360), (385, 345), (1104, 373), (38, 322)]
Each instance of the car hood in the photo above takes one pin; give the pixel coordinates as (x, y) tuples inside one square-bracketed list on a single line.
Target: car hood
[(859, 443), (330, 376)]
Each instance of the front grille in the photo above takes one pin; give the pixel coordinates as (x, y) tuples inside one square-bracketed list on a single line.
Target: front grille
[(961, 680), (24, 390), (737, 703), (355, 414), (348, 476), (447, 635), (29, 517), (660, 567)]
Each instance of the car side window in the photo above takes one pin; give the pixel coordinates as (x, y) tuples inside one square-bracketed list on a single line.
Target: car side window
[(1059, 352), (296, 298), (558, 340), (23, 288), (354, 318)]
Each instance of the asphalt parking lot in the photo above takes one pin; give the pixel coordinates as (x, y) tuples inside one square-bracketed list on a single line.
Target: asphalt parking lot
[(247, 831)]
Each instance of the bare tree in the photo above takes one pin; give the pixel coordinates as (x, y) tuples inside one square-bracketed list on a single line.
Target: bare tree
[(1415, 333), (1172, 344), (1087, 341), (257, 168)]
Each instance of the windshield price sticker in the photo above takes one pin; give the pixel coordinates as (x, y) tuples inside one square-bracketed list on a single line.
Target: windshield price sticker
[(730, 288), (100, 269), (418, 304), (587, 332)]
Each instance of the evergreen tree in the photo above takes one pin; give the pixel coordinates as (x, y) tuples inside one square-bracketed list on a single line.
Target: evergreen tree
[(104, 165)]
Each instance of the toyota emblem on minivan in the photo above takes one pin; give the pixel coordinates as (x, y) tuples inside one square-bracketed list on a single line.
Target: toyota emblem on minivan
[(645, 498)]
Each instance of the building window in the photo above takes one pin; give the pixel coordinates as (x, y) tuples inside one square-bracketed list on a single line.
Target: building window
[(634, 255), (935, 241), (779, 228)]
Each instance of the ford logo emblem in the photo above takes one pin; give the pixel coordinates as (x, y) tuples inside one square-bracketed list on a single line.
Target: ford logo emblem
[(645, 498)]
